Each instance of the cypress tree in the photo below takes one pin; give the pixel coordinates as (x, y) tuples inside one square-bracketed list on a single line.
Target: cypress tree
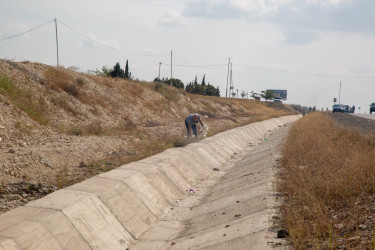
[(204, 80), (127, 76)]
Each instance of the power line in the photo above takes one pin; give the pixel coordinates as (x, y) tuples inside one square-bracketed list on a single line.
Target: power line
[(104, 45), (145, 67), (197, 66), (303, 73), (191, 65), (182, 65), (182, 60), (20, 34)]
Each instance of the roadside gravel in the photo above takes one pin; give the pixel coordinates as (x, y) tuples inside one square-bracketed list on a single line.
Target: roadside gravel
[(362, 125)]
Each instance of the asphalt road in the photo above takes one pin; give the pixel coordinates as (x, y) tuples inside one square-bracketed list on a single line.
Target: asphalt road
[(367, 116)]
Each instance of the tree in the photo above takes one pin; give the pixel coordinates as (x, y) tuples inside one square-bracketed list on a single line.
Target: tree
[(106, 71), (210, 90), (199, 89), (176, 83), (243, 94), (195, 88), (117, 71), (267, 94), (189, 87), (202, 89), (128, 74), (217, 91), (204, 80), (157, 79)]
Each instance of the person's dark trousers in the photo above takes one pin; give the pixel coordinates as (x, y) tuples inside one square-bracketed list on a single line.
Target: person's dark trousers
[(194, 128)]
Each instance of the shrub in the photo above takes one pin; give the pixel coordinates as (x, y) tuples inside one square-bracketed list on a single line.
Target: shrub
[(71, 89), (175, 83), (60, 80), (159, 86), (80, 81)]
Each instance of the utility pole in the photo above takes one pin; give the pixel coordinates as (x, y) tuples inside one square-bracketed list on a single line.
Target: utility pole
[(340, 94), (231, 81), (159, 70), (171, 64), (57, 43), (226, 92)]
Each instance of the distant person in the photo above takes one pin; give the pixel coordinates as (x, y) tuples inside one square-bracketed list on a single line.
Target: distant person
[(191, 122), (353, 108)]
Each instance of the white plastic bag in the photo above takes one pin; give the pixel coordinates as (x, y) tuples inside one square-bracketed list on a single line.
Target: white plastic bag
[(203, 131)]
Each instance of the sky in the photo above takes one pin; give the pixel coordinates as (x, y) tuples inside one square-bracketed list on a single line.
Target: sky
[(307, 47)]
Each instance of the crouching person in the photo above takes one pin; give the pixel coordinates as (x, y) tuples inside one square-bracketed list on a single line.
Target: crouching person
[(191, 122)]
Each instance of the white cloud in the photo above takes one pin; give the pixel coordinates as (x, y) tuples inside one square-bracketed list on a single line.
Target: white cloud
[(300, 36), (96, 42), (303, 18), (328, 3), (231, 8), (150, 52), (362, 69), (295, 10), (172, 19)]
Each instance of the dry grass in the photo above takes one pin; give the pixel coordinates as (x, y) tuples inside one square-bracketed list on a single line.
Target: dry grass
[(60, 80), (62, 102), (170, 93), (328, 181), (24, 100), (142, 148)]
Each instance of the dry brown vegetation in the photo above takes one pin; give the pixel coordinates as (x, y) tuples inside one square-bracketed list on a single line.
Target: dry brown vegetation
[(328, 181)]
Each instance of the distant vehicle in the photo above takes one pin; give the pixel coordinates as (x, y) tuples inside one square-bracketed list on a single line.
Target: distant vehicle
[(338, 108), (372, 107), (277, 99)]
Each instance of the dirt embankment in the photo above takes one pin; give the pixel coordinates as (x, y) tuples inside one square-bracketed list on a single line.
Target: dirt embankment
[(59, 127)]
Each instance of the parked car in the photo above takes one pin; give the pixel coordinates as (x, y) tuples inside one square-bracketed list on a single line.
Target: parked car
[(277, 99), (372, 107), (338, 108)]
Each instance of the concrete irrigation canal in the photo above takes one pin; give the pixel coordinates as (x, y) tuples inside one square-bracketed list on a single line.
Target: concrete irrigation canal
[(214, 194)]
